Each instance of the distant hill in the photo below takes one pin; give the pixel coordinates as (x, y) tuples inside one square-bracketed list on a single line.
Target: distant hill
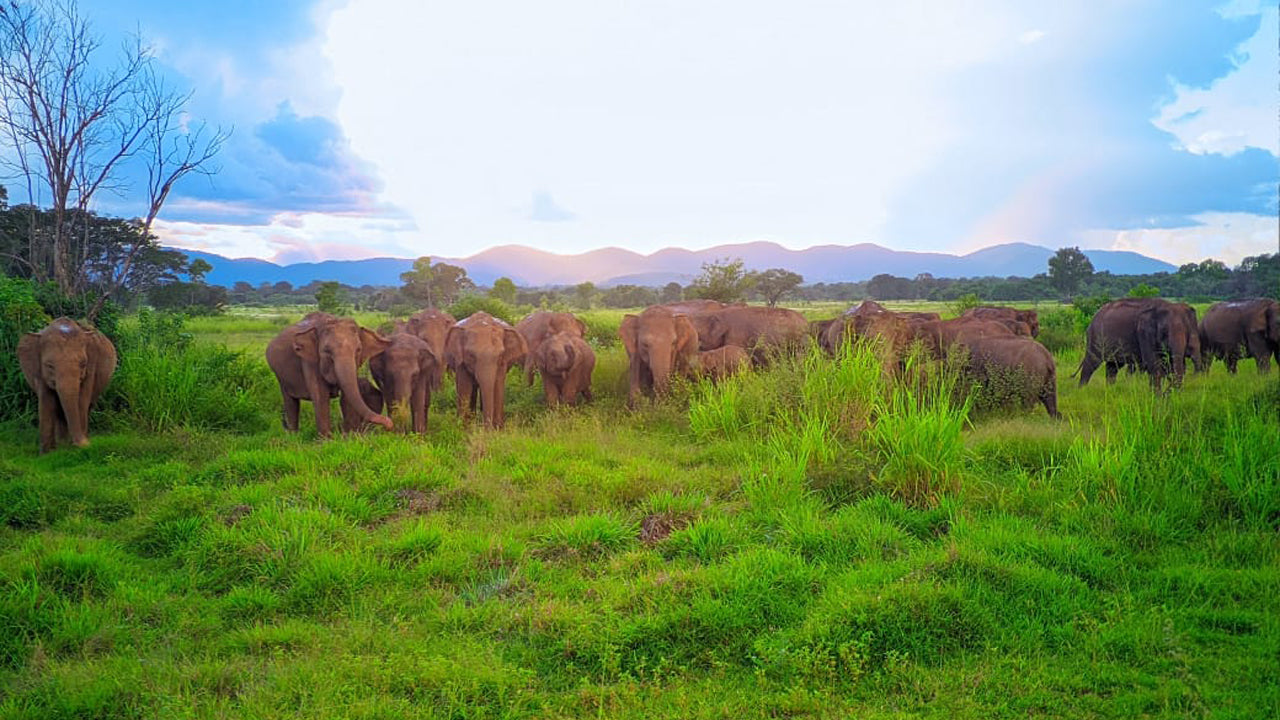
[(613, 266)]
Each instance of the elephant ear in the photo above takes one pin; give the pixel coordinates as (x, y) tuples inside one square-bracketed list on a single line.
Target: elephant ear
[(514, 346), (453, 347), (428, 363), (1149, 337), (306, 344), (686, 339), (29, 359), (371, 345), (1273, 321), (627, 331), (582, 326)]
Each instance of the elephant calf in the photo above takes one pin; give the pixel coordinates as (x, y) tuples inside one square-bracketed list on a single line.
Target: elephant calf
[(722, 362), (1014, 363), (565, 361), (68, 365)]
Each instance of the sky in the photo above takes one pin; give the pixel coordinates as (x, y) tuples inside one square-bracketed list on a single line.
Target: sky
[(368, 128)]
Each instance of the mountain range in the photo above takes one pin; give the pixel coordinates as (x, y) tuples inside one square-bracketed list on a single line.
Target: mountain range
[(614, 266)]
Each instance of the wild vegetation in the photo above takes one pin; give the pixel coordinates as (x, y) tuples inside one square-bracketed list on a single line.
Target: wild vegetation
[(816, 539)]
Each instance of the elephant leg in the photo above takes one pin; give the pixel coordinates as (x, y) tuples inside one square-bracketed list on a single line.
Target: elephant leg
[(1113, 369), (550, 391), (289, 416), (633, 386), (1232, 357), (466, 386), (420, 401), (48, 420), (320, 404), (1260, 352)]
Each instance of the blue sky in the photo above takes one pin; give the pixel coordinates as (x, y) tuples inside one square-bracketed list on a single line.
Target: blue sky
[(396, 127)]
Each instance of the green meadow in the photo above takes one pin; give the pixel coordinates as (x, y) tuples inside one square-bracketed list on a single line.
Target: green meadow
[(819, 539)]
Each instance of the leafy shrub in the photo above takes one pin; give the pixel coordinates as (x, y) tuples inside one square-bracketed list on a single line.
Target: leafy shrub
[(469, 304), (964, 302), (20, 313), (1143, 290), (1061, 330), (164, 381), (602, 330), (1086, 307)]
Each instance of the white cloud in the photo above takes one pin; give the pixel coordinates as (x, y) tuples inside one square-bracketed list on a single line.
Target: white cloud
[(1229, 237), (665, 122), (1239, 110), (1031, 37), (294, 237)]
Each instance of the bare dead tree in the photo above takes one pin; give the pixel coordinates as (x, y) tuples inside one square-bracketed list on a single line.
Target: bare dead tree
[(73, 125)]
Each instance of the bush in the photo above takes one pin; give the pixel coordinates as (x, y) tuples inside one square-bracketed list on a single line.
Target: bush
[(469, 304), (1143, 290), (164, 381), (20, 313), (965, 302)]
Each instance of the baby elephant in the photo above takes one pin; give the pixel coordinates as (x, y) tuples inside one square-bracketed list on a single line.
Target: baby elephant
[(565, 362), (68, 365), (722, 362)]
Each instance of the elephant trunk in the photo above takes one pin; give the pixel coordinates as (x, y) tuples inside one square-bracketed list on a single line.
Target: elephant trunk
[(69, 397), (660, 366), (492, 378), (350, 387)]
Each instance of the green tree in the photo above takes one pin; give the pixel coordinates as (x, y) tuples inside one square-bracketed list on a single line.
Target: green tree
[(1068, 268), (198, 269), (505, 290), (672, 292), (725, 280), (331, 298), (583, 294), (774, 283), (435, 285), (1143, 290)]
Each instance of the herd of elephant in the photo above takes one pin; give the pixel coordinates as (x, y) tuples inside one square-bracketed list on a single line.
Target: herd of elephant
[(68, 365)]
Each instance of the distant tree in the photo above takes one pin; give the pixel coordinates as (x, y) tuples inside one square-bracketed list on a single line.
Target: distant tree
[(504, 289), (774, 283), (331, 298), (583, 294), (629, 296), (198, 269), (282, 286), (672, 292), (190, 297), (889, 287), (1068, 268), (242, 287), (1143, 290), (435, 285), (724, 280)]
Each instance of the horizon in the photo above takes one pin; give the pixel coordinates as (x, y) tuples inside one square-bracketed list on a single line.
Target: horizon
[(574, 127)]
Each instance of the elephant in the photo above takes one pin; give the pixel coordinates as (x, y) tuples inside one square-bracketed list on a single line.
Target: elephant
[(1021, 322), (722, 362), (431, 325), (896, 332), (318, 358), (659, 342), (919, 316), (67, 365), (541, 325), (1152, 333), (938, 336), (565, 362), (760, 330), (1001, 359), (1253, 324), (480, 349), (866, 307), (404, 373)]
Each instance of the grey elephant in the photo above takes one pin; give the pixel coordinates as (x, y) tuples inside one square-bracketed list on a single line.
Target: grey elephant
[(67, 365), (319, 358), (480, 349), (1242, 327)]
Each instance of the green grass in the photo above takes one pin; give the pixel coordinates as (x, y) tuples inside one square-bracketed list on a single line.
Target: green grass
[(818, 539)]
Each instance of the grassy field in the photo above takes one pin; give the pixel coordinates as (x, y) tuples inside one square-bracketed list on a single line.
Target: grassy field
[(815, 540)]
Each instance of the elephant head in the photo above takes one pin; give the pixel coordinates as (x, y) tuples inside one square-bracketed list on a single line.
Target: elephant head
[(480, 349), (404, 373), (556, 355), (67, 365), (658, 342), (432, 325), (540, 325), (331, 350), (1163, 338)]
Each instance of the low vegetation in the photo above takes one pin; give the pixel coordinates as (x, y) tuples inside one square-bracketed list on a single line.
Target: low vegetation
[(818, 539)]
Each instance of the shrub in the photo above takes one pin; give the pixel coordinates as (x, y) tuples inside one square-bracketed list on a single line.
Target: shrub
[(1143, 290), (469, 304), (20, 313), (964, 302), (164, 381)]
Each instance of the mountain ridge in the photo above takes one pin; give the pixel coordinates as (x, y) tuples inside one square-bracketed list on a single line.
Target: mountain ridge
[(613, 265)]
